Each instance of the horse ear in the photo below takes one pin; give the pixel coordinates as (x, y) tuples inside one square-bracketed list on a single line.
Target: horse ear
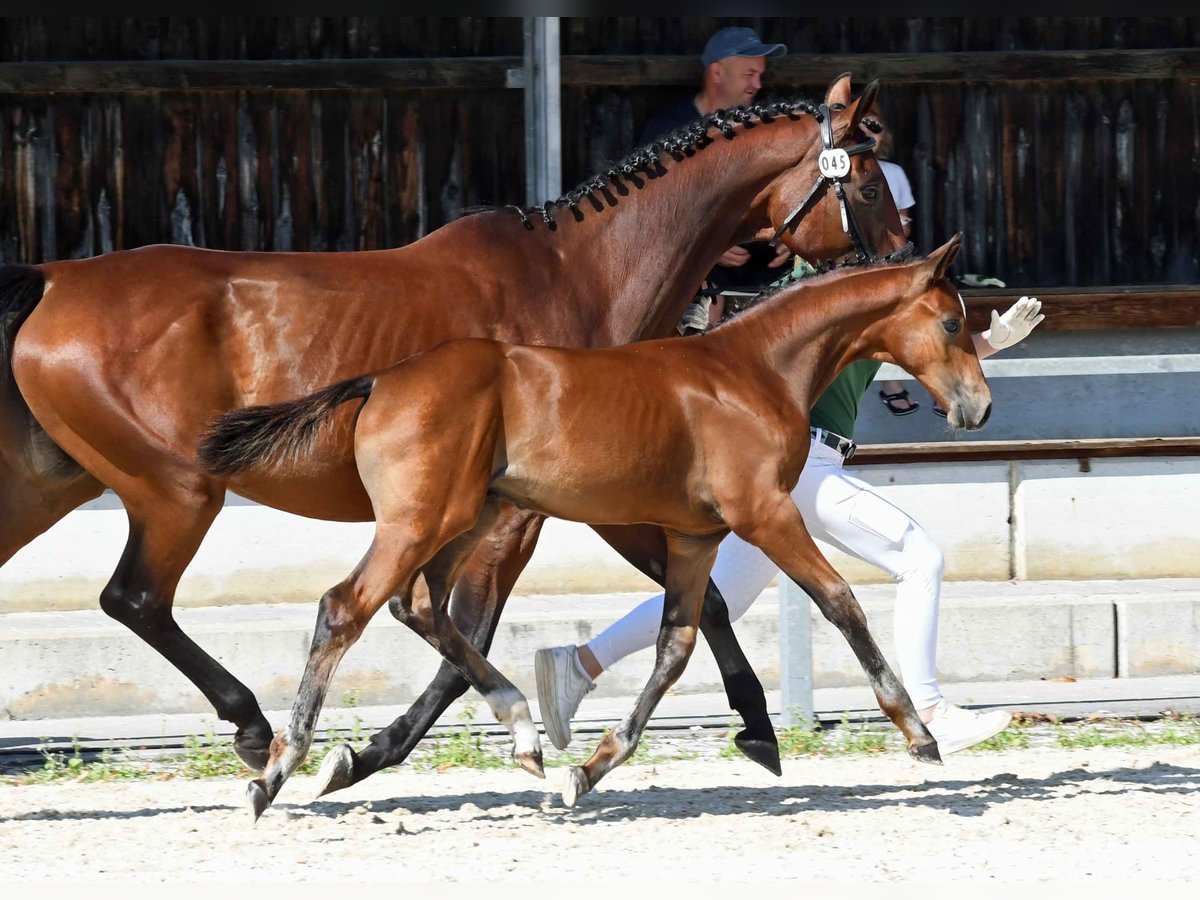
[(839, 91), (943, 257), (862, 106)]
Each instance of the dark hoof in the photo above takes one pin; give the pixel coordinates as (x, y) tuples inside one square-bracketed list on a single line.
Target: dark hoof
[(256, 796), (763, 752), (926, 752), (252, 744), (577, 786), (531, 762), (337, 770)]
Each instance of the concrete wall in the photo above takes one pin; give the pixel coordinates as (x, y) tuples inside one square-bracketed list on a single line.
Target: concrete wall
[(1113, 518)]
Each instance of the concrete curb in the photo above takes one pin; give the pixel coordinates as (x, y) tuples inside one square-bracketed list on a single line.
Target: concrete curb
[(67, 664)]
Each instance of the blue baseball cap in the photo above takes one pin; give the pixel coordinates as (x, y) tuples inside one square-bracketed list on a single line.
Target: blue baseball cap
[(738, 42)]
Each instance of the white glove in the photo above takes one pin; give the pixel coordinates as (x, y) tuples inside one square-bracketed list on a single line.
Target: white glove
[(1014, 326)]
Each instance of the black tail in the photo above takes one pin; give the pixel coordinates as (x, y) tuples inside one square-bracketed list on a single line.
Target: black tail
[(266, 436), (21, 287)]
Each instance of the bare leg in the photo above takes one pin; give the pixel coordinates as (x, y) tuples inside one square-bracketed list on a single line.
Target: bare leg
[(689, 561), (781, 534)]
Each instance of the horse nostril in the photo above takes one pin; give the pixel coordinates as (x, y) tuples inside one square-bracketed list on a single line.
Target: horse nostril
[(986, 413)]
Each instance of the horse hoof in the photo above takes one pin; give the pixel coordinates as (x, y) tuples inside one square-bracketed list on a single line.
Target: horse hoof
[(926, 752), (531, 762), (763, 752), (252, 744), (337, 770), (256, 796), (577, 786)]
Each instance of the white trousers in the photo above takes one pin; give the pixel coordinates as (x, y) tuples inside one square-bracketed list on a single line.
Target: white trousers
[(843, 511)]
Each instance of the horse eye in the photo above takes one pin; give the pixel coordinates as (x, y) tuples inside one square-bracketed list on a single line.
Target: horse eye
[(870, 193), (952, 326)]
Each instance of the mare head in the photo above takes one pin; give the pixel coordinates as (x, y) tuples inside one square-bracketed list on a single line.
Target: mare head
[(815, 213), (927, 336)]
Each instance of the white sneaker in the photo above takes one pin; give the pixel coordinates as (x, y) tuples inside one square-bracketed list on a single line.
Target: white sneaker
[(561, 685), (955, 728)]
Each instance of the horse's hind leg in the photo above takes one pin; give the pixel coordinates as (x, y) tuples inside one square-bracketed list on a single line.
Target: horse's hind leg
[(781, 534), (508, 704), (742, 686), (28, 509), (479, 594), (164, 534), (689, 561), (389, 568)]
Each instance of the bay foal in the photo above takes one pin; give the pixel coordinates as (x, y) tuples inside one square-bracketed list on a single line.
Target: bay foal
[(699, 436)]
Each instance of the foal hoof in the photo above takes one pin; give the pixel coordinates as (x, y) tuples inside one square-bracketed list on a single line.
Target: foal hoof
[(256, 796), (577, 786), (531, 761), (926, 752), (763, 752), (252, 744), (337, 770)]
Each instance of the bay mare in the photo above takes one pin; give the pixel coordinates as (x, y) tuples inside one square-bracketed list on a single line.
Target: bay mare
[(638, 433), (113, 365)]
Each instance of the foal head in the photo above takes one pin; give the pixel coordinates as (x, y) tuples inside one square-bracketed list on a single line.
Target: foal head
[(926, 334)]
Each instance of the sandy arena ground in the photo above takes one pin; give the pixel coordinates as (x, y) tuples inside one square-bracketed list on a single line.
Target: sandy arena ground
[(1029, 815)]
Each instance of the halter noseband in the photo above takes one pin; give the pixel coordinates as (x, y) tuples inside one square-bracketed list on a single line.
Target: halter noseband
[(834, 166)]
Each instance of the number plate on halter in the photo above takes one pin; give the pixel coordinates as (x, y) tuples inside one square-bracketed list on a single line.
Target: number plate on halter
[(834, 163)]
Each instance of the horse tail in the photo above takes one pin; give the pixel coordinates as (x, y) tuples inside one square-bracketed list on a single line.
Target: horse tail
[(21, 287), (256, 437)]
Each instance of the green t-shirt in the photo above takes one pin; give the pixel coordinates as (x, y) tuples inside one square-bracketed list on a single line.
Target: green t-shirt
[(836, 410)]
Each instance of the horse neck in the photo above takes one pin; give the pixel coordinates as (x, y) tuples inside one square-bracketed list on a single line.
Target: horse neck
[(812, 332), (655, 246)]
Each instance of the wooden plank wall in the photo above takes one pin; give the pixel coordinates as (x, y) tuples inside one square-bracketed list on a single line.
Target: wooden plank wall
[(1056, 182)]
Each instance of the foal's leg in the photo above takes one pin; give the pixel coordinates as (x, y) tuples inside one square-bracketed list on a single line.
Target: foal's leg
[(780, 533), (390, 567), (479, 595), (645, 546), (508, 704), (689, 560)]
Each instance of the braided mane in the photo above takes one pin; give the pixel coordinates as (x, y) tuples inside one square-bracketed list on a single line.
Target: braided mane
[(607, 187)]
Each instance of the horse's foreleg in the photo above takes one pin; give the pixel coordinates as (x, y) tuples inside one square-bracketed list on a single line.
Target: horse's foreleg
[(163, 538), (645, 547), (480, 592), (781, 534), (689, 561)]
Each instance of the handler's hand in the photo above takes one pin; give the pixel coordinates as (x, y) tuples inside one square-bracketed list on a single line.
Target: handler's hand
[(1014, 326), (782, 255), (734, 257)]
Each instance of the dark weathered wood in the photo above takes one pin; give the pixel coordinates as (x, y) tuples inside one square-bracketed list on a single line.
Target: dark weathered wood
[(818, 69), (989, 451), (626, 71), (237, 74), (1080, 309)]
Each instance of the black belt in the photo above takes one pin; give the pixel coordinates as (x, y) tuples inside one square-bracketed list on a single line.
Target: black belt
[(842, 445)]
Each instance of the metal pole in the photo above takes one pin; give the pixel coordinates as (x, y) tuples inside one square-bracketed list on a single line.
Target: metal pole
[(795, 651), (543, 111)]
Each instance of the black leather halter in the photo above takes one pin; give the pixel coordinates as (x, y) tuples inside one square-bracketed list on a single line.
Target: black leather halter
[(834, 167)]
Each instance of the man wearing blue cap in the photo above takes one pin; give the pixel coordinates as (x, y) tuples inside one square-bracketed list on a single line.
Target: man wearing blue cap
[(734, 61)]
